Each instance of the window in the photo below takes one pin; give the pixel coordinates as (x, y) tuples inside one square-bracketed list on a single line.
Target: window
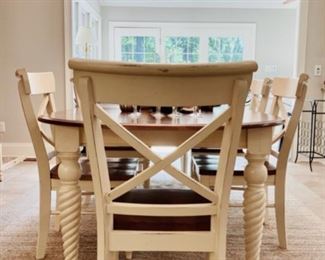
[(225, 49), (138, 48), (181, 42), (137, 44)]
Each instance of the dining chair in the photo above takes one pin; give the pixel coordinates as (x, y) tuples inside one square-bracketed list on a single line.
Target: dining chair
[(121, 169), (283, 89), (260, 91), (135, 219), (259, 94)]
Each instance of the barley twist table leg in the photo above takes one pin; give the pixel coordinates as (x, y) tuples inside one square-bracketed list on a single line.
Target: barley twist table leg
[(67, 147), (70, 204), (254, 204)]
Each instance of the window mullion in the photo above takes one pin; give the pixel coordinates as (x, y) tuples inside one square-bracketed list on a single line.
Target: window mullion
[(204, 47)]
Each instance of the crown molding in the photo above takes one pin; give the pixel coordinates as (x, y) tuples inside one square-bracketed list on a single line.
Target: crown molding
[(246, 4)]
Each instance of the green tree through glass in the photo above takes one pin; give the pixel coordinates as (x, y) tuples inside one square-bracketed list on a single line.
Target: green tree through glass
[(225, 49), (182, 49), (139, 49)]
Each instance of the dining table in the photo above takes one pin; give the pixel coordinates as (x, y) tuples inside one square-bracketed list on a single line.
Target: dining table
[(168, 130)]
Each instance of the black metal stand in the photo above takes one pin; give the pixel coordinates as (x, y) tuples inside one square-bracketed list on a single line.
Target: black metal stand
[(311, 138)]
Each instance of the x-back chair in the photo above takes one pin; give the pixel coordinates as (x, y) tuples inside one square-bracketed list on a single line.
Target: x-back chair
[(205, 167), (121, 169), (259, 93), (192, 219)]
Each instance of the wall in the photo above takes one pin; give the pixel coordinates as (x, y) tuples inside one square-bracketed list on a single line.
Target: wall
[(315, 49), (275, 29), (94, 4), (32, 36)]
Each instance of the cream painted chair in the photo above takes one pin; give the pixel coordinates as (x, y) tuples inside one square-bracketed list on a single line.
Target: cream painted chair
[(205, 167), (131, 219), (260, 91), (259, 95), (121, 169)]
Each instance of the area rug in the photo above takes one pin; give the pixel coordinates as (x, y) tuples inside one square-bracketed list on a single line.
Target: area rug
[(19, 216)]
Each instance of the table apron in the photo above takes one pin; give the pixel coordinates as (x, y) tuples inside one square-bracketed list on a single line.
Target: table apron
[(166, 138)]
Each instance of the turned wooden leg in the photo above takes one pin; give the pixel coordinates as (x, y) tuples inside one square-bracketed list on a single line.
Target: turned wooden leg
[(259, 144), (266, 217), (67, 146), (254, 204), (70, 204), (57, 217), (185, 162)]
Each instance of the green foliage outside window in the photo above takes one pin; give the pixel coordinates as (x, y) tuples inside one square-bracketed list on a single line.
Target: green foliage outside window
[(182, 49), (139, 49), (225, 49)]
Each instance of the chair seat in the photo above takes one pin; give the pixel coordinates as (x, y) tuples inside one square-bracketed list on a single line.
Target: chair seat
[(161, 196), (207, 165), (120, 169)]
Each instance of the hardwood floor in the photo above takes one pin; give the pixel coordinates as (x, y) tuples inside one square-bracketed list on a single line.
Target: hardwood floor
[(307, 186)]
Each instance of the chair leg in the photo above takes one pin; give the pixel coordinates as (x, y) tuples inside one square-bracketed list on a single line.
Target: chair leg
[(212, 256), (128, 255), (44, 222), (146, 184), (57, 217), (266, 216), (280, 214), (145, 164), (218, 255), (112, 255)]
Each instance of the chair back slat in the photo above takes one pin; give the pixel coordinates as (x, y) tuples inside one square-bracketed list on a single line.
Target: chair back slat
[(125, 83), (41, 83), (260, 90), (284, 87), (296, 90), (287, 90)]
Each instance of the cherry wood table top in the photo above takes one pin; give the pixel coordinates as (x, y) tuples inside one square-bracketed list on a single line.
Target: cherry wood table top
[(144, 119)]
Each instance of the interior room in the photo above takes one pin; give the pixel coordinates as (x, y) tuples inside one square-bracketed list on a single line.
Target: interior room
[(162, 129)]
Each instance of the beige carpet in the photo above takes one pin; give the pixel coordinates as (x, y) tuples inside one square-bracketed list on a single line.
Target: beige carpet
[(18, 223)]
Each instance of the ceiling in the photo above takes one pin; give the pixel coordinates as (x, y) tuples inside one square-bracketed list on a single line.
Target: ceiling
[(202, 3)]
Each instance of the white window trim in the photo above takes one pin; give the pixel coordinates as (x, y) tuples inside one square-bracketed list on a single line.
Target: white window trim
[(247, 31)]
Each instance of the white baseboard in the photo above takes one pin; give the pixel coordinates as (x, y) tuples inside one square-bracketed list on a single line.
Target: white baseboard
[(25, 150)]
